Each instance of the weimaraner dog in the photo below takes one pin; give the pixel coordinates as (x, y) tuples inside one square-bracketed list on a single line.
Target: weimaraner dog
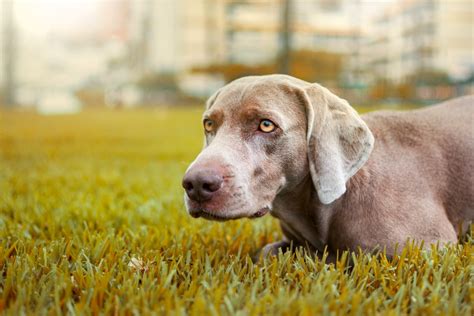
[(333, 178)]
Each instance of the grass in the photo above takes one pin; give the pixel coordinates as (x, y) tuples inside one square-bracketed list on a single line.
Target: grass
[(92, 222)]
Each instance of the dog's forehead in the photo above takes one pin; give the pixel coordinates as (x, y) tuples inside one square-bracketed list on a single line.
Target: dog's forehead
[(255, 94)]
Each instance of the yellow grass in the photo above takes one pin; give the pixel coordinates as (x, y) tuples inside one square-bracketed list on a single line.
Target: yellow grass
[(92, 222)]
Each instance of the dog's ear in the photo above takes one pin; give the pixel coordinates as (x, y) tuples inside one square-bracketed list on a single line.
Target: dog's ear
[(339, 142)]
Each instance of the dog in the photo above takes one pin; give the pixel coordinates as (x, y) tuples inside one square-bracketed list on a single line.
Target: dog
[(335, 180)]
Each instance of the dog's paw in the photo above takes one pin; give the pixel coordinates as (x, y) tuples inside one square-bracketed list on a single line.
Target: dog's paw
[(271, 250)]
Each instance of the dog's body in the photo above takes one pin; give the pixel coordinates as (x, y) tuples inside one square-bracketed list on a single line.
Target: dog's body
[(333, 179), (418, 183)]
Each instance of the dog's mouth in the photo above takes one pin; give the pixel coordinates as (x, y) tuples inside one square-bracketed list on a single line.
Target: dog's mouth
[(207, 215), (218, 217), (260, 213)]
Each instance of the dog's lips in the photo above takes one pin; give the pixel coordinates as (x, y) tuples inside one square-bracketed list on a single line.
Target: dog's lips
[(199, 212), (196, 213), (260, 213), (213, 217)]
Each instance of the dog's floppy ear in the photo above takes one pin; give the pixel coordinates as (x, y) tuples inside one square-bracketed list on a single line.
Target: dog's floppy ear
[(339, 142)]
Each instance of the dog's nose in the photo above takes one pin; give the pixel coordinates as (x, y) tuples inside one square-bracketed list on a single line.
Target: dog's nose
[(201, 185)]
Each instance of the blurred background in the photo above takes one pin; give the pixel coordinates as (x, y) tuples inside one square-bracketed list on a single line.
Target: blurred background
[(61, 56)]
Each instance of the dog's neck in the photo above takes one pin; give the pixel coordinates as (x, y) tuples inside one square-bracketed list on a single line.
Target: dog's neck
[(302, 214), (305, 217), (297, 197)]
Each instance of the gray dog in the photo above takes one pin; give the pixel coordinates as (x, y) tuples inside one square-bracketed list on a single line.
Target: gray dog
[(333, 178)]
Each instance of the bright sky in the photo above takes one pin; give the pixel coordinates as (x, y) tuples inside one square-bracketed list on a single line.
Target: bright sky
[(40, 17), (370, 7)]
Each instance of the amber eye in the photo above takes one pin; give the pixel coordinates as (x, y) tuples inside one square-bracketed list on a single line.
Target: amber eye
[(266, 126), (208, 125)]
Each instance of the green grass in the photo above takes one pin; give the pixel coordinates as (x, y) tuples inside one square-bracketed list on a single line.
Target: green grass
[(92, 222)]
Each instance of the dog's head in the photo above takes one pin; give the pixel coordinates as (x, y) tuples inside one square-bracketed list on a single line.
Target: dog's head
[(264, 135)]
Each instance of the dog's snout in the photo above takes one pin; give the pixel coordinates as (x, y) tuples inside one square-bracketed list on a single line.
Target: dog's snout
[(201, 185)]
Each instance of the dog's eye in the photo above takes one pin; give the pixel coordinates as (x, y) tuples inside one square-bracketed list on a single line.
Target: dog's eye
[(266, 126), (208, 125)]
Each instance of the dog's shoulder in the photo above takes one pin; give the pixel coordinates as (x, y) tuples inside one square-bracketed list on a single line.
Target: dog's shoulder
[(396, 127)]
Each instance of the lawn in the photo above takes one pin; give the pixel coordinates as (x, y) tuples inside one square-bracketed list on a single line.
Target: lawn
[(92, 221)]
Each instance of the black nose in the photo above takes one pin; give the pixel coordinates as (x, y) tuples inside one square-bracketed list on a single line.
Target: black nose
[(201, 185)]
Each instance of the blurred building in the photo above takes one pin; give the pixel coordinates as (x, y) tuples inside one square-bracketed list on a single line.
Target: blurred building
[(124, 51), (415, 36), (175, 37), (252, 28), (172, 36), (64, 46)]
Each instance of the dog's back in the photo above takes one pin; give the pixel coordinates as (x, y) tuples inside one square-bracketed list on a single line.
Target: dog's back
[(419, 179)]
